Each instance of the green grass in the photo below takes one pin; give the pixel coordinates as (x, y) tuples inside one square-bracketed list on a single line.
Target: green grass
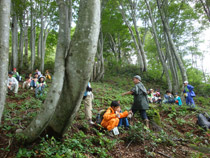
[(178, 126)]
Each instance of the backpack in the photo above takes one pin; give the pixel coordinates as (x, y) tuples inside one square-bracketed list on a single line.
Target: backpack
[(204, 121), (100, 115)]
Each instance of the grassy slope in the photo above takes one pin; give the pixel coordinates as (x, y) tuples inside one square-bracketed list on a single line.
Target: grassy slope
[(179, 129)]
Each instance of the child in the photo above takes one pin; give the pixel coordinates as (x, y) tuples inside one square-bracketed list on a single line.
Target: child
[(158, 98), (123, 121), (30, 76), (16, 74), (141, 103), (27, 83), (151, 95), (12, 83), (40, 86), (178, 100), (112, 116), (47, 75), (34, 81), (88, 103)]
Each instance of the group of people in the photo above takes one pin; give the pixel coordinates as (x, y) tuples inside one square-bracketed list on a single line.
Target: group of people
[(37, 81), (154, 96), (114, 117)]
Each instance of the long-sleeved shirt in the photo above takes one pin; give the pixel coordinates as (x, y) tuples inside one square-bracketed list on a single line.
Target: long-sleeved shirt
[(12, 80)]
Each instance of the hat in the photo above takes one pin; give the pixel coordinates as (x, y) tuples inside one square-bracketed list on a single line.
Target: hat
[(14, 69), (10, 73), (115, 104), (41, 77), (185, 82), (137, 77), (36, 73)]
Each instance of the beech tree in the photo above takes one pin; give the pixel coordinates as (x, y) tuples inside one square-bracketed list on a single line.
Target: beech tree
[(72, 71), (4, 49)]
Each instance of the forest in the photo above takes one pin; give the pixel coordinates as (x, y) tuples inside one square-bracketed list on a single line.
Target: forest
[(104, 78)]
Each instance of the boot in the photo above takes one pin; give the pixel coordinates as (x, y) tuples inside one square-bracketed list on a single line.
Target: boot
[(146, 122)]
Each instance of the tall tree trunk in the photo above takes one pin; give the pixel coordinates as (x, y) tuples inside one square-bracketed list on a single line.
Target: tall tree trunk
[(41, 121), (206, 7), (21, 41), (33, 38), (42, 40), (72, 74), (39, 46), (141, 63), (26, 42), (79, 64), (4, 50), (172, 65), (14, 39), (160, 53), (133, 15), (174, 50)]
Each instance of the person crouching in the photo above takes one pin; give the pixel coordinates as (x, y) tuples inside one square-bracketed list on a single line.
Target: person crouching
[(112, 116)]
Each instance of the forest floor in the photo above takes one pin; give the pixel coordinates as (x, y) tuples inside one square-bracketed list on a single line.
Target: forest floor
[(177, 135)]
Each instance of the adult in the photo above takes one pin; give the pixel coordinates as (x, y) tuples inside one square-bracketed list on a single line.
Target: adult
[(12, 83), (189, 94), (88, 103), (141, 103), (38, 72), (168, 98)]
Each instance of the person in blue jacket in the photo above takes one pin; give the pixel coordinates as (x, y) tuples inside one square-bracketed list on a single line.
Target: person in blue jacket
[(189, 94)]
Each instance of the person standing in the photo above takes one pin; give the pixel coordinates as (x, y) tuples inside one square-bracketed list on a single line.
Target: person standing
[(189, 94), (141, 103), (12, 83), (88, 99)]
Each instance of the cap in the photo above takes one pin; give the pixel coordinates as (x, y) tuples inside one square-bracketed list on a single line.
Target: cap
[(185, 82), (137, 77)]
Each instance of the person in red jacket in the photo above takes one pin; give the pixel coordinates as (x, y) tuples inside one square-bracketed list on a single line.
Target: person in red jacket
[(112, 116)]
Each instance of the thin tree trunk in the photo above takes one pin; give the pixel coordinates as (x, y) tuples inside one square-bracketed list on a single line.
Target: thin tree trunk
[(33, 38), (4, 50), (21, 41), (133, 15), (160, 53), (79, 64), (172, 65), (26, 42), (174, 50), (141, 63), (14, 40), (42, 39)]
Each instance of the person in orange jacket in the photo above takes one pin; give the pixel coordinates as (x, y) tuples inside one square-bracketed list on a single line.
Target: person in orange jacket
[(112, 116)]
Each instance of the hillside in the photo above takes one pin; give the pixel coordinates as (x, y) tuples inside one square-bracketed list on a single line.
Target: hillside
[(177, 136)]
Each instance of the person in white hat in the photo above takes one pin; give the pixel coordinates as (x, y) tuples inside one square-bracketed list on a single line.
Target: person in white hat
[(189, 94)]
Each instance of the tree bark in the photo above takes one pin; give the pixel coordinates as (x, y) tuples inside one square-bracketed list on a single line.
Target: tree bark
[(72, 74), (33, 38), (174, 50), (160, 53), (4, 50), (141, 63), (79, 64), (133, 15), (21, 41), (41, 121), (42, 40), (26, 41), (14, 39)]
